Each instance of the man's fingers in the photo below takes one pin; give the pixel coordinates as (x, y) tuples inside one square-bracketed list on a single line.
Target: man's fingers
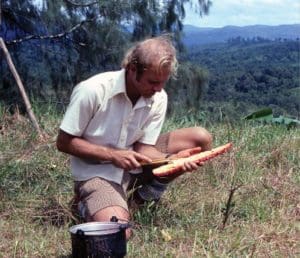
[(200, 163), (135, 159), (143, 158), (134, 163), (188, 152), (191, 166), (195, 150)]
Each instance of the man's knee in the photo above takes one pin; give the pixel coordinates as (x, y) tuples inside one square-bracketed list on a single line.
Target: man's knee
[(190, 137), (201, 137), (105, 215)]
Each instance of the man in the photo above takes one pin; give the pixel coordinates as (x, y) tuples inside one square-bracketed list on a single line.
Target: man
[(113, 124)]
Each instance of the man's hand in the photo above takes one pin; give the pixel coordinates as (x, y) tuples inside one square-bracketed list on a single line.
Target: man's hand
[(186, 153), (128, 159), (188, 166)]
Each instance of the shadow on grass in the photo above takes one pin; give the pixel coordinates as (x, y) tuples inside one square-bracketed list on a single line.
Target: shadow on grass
[(56, 214)]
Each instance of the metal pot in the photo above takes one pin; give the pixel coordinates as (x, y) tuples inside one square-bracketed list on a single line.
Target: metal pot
[(99, 239)]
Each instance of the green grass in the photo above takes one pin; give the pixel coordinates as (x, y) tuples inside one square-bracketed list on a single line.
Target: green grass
[(263, 217)]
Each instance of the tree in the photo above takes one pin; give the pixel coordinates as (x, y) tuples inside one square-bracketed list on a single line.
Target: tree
[(58, 43), (187, 90)]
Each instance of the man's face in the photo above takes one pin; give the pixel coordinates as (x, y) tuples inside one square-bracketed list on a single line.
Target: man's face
[(149, 82)]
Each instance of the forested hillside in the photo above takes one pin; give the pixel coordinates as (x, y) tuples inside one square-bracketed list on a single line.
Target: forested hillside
[(56, 44), (248, 74), (195, 36)]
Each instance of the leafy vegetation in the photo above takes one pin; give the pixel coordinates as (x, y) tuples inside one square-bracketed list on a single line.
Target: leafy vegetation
[(262, 172), (266, 115)]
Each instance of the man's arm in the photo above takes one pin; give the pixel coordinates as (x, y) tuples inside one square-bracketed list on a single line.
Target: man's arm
[(81, 148)]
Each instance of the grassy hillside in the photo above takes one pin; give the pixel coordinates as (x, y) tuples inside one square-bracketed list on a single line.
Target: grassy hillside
[(194, 218)]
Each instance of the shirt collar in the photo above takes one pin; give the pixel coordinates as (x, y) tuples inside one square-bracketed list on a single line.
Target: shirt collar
[(120, 88), (142, 102), (119, 84)]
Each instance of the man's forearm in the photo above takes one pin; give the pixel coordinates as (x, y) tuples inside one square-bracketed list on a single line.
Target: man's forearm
[(81, 148), (149, 151)]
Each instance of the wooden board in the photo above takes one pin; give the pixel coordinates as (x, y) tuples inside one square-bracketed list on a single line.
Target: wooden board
[(176, 165)]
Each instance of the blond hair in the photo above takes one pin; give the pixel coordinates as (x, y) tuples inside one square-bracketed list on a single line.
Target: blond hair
[(156, 53)]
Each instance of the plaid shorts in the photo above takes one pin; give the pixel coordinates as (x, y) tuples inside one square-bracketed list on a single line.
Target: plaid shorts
[(97, 193)]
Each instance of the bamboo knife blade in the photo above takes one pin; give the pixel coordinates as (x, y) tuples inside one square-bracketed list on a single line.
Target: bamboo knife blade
[(155, 162)]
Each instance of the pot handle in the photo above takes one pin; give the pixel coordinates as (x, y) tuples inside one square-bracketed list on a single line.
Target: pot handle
[(122, 226), (80, 232), (114, 219)]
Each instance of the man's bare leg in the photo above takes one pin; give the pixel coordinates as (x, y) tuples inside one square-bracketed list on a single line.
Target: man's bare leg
[(186, 138), (107, 213)]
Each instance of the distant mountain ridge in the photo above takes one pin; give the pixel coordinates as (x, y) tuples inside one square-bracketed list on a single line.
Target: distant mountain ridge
[(200, 36)]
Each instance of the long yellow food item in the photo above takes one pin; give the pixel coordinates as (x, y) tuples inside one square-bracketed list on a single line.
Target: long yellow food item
[(176, 165)]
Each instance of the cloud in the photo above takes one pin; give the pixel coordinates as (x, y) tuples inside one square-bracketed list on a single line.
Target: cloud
[(255, 2)]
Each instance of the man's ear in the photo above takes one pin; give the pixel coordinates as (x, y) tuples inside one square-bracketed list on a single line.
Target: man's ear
[(132, 67)]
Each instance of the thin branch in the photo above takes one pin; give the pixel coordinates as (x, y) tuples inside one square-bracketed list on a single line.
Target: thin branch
[(233, 188), (0, 12), (229, 205), (21, 88), (56, 36), (81, 5)]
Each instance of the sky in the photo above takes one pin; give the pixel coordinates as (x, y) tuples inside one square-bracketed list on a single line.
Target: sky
[(247, 12)]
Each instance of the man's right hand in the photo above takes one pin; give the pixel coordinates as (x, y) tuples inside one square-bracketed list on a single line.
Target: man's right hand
[(127, 159)]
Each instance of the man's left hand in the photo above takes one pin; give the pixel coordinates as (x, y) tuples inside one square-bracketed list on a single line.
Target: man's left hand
[(186, 153)]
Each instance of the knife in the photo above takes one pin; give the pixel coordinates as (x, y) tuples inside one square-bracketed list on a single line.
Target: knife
[(155, 162)]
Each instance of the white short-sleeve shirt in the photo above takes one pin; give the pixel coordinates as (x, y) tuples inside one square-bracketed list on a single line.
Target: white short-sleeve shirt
[(101, 112)]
